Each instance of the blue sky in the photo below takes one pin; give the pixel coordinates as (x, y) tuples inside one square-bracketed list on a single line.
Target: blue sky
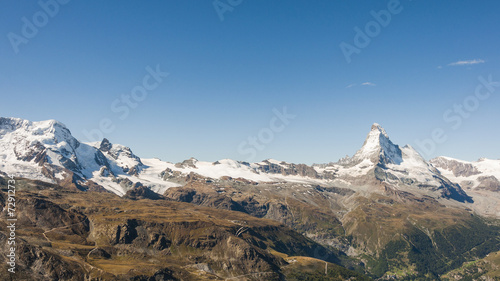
[(230, 71)]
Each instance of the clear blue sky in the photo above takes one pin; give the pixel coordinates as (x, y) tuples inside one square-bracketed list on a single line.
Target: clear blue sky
[(226, 76)]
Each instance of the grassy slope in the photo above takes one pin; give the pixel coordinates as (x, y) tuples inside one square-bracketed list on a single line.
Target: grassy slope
[(107, 211), (424, 239), (398, 235)]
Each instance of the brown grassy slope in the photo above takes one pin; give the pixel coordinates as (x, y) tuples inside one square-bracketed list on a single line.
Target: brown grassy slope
[(67, 235)]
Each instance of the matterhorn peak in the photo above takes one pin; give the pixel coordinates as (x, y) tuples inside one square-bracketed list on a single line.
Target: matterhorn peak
[(378, 148), (376, 139), (378, 129)]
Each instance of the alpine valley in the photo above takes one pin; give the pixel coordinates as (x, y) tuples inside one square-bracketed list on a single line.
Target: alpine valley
[(97, 211)]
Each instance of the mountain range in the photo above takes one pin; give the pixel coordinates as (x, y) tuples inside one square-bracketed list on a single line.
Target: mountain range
[(47, 151), (376, 209)]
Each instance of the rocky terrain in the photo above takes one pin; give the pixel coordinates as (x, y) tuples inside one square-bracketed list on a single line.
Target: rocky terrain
[(384, 213), (75, 235), (481, 180)]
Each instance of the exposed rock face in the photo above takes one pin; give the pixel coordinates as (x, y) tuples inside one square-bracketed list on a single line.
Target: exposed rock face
[(121, 153), (479, 177), (191, 163), (42, 213), (208, 198), (453, 191), (142, 192), (218, 245), (42, 134), (105, 145), (82, 235), (127, 184), (36, 264), (489, 183), (162, 274), (229, 194), (459, 169), (445, 188), (289, 169), (377, 148), (172, 176), (125, 233), (36, 152), (99, 253)]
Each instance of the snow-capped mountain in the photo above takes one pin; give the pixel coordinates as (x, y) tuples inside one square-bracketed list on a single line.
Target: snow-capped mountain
[(480, 178), (384, 193), (43, 150), (47, 151), (383, 164), (481, 174), (378, 148)]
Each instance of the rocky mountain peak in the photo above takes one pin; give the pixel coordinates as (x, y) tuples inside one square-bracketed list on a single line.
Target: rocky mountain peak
[(378, 148), (105, 145), (21, 136), (378, 129), (376, 138), (52, 127), (10, 123)]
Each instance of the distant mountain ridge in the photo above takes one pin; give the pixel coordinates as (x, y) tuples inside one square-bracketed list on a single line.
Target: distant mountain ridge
[(385, 211), (481, 174), (47, 151)]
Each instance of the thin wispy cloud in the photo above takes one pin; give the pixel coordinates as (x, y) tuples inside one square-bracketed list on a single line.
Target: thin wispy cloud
[(466, 62), (362, 84)]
